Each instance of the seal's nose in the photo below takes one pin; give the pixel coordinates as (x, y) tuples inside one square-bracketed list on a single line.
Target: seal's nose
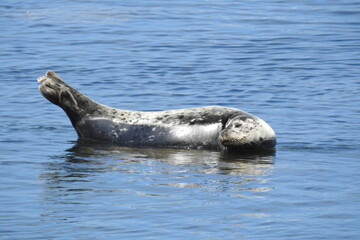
[(228, 137)]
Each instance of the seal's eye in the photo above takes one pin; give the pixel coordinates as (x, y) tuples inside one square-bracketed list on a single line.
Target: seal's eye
[(237, 125)]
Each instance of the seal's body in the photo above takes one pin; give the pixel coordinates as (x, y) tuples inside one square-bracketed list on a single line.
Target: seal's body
[(212, 127)]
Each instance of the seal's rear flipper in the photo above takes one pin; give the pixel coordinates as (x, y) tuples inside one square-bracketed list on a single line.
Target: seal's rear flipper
[(67, 99), (74, 103), (56, 90), (50, 75)]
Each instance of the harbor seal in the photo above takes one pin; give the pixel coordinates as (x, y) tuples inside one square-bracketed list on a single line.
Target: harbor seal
[(212, 127)]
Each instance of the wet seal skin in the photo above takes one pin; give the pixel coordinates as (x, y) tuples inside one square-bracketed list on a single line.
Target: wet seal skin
[(211, 127)]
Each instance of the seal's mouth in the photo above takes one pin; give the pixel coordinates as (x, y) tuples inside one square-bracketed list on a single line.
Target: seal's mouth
[(255, 145), (234, 140)]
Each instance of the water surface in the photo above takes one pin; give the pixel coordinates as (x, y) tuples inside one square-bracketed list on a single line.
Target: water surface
[(295, 64)]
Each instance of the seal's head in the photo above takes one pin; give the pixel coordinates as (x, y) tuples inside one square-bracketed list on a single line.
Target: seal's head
[(247, 132)]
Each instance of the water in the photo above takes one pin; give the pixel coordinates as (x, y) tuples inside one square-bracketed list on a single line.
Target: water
[(295, 64)]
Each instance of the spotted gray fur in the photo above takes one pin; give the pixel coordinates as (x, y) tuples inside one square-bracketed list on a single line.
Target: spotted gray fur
[(212, 127)]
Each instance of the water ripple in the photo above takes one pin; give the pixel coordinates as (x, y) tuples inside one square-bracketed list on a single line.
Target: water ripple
[(294, 64)]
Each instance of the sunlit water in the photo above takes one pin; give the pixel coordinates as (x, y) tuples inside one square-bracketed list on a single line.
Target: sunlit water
[(295, 64)]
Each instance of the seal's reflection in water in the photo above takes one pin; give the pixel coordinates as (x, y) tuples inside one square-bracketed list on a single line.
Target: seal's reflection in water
[(112, 189), (86, 160), (205, 161)]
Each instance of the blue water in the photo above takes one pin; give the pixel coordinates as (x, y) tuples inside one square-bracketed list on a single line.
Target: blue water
[(296, 64)]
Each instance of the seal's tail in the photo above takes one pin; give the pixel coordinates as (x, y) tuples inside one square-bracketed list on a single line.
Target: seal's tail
[(74, 103)]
